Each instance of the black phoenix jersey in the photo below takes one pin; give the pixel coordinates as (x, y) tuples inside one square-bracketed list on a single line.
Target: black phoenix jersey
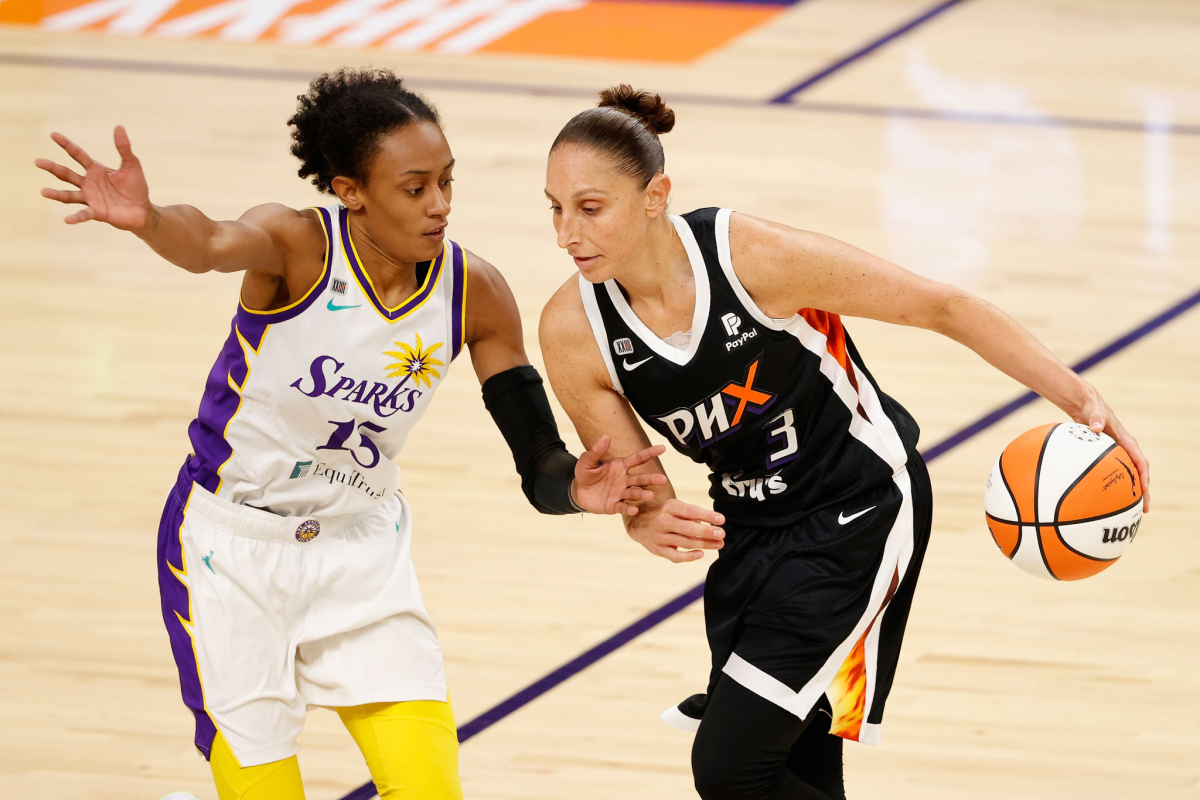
[(782, 411)]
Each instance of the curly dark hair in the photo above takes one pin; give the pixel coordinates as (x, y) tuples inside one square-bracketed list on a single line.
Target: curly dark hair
[(337, 127)]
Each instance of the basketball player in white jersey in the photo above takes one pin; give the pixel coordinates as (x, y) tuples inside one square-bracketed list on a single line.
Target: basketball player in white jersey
[(284, 557), (722, 332)]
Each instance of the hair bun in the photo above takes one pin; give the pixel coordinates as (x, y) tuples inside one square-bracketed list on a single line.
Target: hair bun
[(647, 107)]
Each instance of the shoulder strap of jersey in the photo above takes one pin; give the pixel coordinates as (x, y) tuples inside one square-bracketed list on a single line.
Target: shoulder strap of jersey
[(589, 292), (710, 226), (250, 319), (730, 278), (457, 299), (335, 261), (703, 222)]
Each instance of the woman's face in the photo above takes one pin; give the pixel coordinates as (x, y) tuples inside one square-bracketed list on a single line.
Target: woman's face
[(600, 215), (407, 192)]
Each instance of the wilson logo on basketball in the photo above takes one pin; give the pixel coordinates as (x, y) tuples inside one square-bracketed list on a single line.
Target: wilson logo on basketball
[(1120, 535), (710, 419)]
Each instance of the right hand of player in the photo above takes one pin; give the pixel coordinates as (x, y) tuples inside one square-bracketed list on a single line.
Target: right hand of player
[(677, 531), (1099, 416), (119, 197)]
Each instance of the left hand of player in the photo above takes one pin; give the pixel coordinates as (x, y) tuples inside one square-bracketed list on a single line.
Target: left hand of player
[(607, 487)]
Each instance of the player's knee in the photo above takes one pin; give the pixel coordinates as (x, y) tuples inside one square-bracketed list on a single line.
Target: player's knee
[(429, 773), (713, 781), (722, 776), (277, 780), (725, 766), (411, 748)]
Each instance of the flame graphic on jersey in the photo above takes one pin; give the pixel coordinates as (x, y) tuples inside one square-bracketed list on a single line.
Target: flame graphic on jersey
[(847, 692), (415, 362)]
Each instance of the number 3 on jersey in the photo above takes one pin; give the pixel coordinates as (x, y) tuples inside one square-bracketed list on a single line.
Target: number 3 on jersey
[(786, 429), (342, 432)]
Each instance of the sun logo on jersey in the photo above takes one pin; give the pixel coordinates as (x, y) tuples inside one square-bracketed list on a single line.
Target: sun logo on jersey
[(415, 362)]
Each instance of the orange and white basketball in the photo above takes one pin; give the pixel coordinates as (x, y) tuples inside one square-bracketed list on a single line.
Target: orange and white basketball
[(1063, 502)]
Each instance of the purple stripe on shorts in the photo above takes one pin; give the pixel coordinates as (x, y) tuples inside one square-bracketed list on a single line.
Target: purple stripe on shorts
[(457, 300), (176, 604)]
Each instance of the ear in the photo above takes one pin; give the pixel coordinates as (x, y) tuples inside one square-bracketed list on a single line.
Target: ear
[(348, 191), (658, 195)]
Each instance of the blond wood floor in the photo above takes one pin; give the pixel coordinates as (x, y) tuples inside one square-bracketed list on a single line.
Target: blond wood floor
[(1009, 688)]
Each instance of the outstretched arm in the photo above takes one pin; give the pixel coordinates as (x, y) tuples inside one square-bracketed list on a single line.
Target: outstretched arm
[(553, 480), (785, 269), (273, 241), (665, 526)]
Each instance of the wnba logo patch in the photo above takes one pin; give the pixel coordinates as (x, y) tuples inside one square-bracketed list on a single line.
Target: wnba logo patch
[(623, 347), (308, 530)]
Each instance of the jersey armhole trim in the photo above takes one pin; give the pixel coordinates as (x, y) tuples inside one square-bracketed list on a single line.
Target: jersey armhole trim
[(725, 257), (458, 301), (295, 309), (588, 293)]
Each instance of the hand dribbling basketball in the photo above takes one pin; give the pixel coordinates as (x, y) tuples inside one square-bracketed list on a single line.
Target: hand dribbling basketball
[(1064, 501), (1099, 416)]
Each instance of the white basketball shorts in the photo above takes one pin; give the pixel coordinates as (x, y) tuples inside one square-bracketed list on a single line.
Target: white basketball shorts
[(269, 615)]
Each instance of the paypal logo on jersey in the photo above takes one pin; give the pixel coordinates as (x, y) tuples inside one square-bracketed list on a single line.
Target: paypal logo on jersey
[(733, 323), (324, 374)]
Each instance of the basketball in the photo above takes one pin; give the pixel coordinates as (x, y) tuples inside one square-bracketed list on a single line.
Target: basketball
[(1063, 502)]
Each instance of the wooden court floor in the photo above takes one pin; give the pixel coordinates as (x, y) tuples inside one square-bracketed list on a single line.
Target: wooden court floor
[(1043, 154)]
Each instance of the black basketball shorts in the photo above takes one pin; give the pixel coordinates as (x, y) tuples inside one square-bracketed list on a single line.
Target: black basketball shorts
[(819, 607)]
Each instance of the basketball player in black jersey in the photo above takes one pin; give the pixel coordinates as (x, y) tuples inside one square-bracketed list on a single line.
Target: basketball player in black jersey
[(821, 503)]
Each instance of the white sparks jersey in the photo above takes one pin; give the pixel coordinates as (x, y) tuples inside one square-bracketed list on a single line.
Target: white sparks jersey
[(308, 405)]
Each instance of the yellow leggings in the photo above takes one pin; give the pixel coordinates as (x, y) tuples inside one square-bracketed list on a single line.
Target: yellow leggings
[(411, 750)]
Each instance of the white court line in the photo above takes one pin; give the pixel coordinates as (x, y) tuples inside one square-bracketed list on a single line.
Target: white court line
[(438, 25), (375, 27), (502, 22)]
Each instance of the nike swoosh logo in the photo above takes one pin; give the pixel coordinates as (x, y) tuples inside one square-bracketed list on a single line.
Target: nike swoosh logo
[(843, 519), (332, 307), (631, 367)]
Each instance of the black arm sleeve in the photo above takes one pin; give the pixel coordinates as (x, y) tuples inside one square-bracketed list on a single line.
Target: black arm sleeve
[(517, 402)]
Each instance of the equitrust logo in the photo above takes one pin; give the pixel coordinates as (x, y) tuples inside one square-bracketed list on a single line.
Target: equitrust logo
[(331, 475)]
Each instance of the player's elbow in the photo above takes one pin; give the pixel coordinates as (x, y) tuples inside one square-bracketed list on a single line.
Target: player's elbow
[(948, 309), (197, 265), (206, 252)]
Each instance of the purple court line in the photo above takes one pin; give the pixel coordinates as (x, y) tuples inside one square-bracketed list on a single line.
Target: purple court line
[(1084, 364), (672, 607), (534, 90), (866, 50)]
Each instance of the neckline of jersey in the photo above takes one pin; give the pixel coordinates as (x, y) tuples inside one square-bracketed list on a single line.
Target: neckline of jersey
[(413, 301), (699, 312)]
